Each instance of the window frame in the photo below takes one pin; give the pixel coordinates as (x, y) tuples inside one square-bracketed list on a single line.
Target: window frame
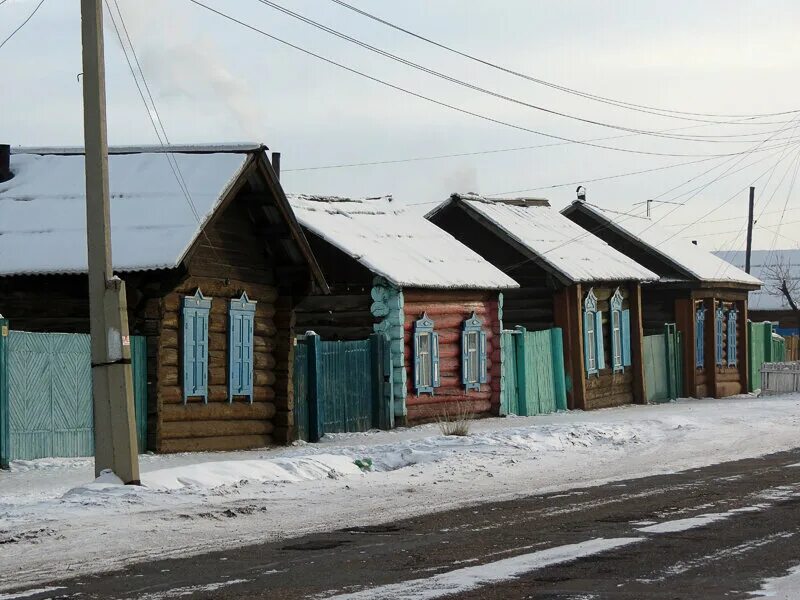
[(472, 329), (719, 335), (733, 345), (594, 358), (195, 311), (241, 320), (424, 329), (699, 336), (617, 341)]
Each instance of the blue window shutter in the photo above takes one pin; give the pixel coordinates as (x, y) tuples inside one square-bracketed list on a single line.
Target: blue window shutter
[(626, 338), (718, 334), (588, 322), (464, 357), (417, 382), (435, 358), (241, 315), (482, 353), (732, 347), (598, 336), (195, 310), (699, 338)]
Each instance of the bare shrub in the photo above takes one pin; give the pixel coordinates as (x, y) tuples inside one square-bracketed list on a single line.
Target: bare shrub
[(455, 418)]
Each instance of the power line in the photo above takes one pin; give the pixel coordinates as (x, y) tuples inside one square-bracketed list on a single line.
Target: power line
[(21, 25), (155, 122), (495, 94), (440, 102), (618, 103)]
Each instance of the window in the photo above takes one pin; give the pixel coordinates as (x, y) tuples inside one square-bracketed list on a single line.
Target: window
[(620, 334), (699, 335), (473, 354), (195, 311), (594, 357), (241, 314), (719, 334), (426, 356), (732, 347)]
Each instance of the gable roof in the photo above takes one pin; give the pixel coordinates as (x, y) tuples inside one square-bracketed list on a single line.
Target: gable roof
[(396, 244), (551, 240), (682, 255), (762, 263), (153, 223)]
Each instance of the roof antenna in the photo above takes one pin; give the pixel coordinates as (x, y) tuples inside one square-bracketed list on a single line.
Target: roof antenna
[(581, 191)]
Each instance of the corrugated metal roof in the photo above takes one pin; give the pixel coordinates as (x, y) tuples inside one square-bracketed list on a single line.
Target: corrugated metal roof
[(684, 255), (43, 208), (555, 241), (767, 266), (406, 249)]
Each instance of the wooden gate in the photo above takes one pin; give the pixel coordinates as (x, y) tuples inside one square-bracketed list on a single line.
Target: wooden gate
[(46, 395), (533, 381), (663, 366), (763, 346), (339, 386)]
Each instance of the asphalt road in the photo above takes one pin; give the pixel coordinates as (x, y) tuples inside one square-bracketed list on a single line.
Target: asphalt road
[(715, 532)]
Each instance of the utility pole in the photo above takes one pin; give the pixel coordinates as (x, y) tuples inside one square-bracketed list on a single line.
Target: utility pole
[(112, 382), (749, 231)]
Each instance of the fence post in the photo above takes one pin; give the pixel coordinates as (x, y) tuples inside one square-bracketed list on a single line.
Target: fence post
[(377, 376), (314, 411), (5, 430), (522, 371), (559, 377), (672, 359)]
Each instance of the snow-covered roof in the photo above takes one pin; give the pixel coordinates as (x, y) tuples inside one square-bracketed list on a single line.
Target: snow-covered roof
[(397, 244), (556, 242), (766, 265), (43, 207), (684, 256)]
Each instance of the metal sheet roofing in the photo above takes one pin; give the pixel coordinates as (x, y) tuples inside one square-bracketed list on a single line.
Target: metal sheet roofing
[(685, 256), (555, 241), (403, 247), (43, 207)]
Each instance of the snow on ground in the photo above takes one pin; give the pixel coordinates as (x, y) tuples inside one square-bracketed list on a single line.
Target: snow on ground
[(199, 502), (781, 588)]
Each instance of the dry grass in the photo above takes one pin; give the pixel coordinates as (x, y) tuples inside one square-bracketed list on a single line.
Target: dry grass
[(455, 418)]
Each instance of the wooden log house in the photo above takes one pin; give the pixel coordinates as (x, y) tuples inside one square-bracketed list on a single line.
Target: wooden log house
[(702, 294), (438, 302), (214, 263), (568, 279)]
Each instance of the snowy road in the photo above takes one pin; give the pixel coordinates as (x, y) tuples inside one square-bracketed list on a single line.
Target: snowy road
[(726, 531)]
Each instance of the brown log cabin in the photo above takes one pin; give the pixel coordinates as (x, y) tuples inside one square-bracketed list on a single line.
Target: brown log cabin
[(706, 297), (437, 301), (214, 263), (568, 279)]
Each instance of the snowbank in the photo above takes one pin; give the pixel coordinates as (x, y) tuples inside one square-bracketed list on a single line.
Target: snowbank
[(190, 503)]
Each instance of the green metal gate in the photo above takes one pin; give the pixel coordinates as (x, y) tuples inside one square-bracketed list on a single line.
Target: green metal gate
[(663, 365), (339, 386), (763, 346), (46, 394), (533, 381)]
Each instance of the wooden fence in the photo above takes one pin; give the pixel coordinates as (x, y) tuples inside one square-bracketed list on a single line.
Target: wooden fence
[(780, 378), (764, 346), (533, 379), (46, 407)]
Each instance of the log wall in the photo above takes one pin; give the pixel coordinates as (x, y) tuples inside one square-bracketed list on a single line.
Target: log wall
[(449, 309)]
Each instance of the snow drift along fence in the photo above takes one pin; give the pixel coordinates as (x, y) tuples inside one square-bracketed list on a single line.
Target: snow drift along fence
[(780, 378), (46, 405), (533, 380)]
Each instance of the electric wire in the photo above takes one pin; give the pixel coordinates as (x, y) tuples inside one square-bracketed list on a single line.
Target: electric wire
[(440, 102), (21, 25), (495, 94), (619, 103)]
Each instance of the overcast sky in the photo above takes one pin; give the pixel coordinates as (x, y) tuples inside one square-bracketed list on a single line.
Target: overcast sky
[(216, 81)]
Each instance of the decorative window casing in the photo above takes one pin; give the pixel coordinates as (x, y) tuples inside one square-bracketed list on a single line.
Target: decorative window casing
[(194, 312), (593, 351), (426, 356), (241, 316), (473, 354), (733, 349), (719, 335), (699, 336), (620, 334)]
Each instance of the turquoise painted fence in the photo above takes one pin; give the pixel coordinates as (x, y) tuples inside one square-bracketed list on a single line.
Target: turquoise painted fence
[(340, 386), (663, 367), (533, 381), (763, 346), (46, 395)]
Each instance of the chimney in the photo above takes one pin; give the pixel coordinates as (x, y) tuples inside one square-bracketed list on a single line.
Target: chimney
[(694, 242), (276, 164), (581, 191), (5, 163)]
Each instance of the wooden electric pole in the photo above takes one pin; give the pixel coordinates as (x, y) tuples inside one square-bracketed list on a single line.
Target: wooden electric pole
[(112, 382), (749, 230)]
